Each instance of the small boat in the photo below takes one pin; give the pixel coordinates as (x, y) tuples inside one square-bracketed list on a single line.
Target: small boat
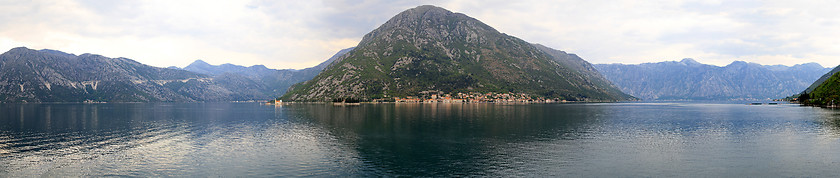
[(772, 103), (756, 103)]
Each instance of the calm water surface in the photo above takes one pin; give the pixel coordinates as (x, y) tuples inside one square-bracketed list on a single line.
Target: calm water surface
[(571, 140)]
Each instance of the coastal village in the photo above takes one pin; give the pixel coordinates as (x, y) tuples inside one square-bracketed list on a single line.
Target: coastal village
[(473, 97)]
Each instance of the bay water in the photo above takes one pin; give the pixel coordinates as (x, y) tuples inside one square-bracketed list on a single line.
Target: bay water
[(322, 140)]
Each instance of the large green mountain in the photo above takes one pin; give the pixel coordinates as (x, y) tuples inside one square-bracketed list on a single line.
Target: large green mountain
[(28, 75), (428, 48), (826, 92), (822, 80)]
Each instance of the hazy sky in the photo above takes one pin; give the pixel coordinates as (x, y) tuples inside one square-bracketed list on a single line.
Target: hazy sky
[(299, 34)]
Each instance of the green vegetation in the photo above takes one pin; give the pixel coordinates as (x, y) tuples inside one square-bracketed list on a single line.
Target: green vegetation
[(431, 49), (826, 94), (346, 100)]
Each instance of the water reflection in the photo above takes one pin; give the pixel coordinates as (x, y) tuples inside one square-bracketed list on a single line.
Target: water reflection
[(829, 119), (433, 140), (47, 117), (449, 139), (664, 139), (160, 139), (451, 120)]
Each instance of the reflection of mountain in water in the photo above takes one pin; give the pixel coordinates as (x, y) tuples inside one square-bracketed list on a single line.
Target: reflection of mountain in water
[(154, 139), (493, 120), (424, 140), (447, 138)]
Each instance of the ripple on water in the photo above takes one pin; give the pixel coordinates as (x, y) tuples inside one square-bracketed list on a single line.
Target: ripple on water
[(35, 153), (556, 140)]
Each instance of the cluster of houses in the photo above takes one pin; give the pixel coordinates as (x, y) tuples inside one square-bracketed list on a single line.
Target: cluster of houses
[(475, 97)]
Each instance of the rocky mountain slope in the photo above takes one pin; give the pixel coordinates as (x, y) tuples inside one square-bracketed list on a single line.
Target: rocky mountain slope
[(273, 82), (28, 75), (690, 80), (825, 92), (822, 80), (428, 49)]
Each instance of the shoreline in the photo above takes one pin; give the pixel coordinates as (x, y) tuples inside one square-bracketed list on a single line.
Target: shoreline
[(132, 102), (360, 103)]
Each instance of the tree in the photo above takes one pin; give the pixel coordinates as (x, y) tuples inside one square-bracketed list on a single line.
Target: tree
[(804, 98)]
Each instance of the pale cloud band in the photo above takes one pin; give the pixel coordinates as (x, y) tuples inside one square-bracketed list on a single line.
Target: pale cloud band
[(299, 34)]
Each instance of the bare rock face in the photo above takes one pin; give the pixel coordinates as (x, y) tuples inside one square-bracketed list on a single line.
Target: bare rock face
[(428, 48), (690, 80), (28, 75)]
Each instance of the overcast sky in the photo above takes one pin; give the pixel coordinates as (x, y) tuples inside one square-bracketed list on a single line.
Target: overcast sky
[(299, 34)]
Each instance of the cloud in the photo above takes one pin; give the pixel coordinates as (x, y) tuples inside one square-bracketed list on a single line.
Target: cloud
[(299, 34), (649, 31)]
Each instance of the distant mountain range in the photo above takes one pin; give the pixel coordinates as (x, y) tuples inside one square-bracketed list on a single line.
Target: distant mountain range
[(273, 82), (429, 49), (690, 80), (46, 75), (28, 75), (423, 50)]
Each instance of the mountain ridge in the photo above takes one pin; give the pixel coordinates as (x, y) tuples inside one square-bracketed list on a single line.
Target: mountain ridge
[(274, 82), (429, 49), (691, 80), (825, 92), (822, 79), (28, 75)]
